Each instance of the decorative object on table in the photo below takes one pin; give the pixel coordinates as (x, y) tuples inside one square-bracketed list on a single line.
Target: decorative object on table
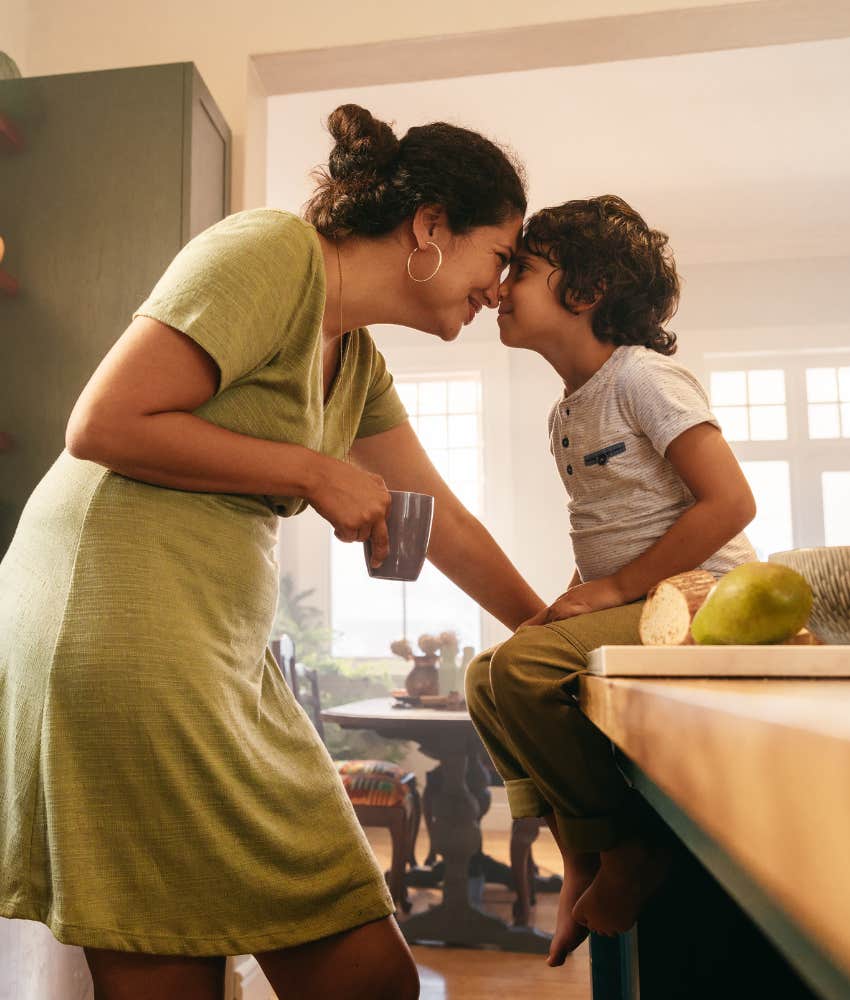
[(827, 571), (753, 604), (409, 527), (426, 680), (448, 679), (452, 701), (381, 792), (422, 678)]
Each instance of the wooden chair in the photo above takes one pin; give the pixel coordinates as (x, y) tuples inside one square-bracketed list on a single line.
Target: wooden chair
[(381, 792)]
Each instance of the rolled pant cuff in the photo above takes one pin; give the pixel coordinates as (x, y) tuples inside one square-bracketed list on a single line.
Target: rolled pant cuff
[(525, 800), (584, 834)]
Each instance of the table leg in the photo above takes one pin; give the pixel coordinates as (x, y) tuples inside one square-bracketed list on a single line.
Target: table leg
[(457, 836)]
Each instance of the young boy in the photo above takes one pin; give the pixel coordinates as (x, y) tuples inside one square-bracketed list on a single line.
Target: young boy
[(654, 490)]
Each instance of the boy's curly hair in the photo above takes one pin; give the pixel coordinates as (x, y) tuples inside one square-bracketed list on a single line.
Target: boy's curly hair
[(602, 246)]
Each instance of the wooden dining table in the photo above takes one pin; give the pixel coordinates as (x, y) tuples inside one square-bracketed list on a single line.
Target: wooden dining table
[(449, 737)]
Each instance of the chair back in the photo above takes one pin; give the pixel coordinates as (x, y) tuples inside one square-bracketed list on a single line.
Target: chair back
[(303, 681)]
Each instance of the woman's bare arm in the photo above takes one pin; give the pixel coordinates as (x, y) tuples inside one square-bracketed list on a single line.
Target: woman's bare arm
[(461, 547), (135, 417)]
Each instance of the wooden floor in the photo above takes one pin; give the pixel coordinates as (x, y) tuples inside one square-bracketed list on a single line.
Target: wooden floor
[(482, 974)]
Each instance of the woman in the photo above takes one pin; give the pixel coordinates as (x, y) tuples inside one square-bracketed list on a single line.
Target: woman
[(165, 801)]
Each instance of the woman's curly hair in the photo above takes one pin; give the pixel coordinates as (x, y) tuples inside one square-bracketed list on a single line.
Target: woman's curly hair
[(604, 249), (374, 181)]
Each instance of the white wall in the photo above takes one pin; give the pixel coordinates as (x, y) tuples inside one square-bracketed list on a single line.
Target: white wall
[(220, 36)]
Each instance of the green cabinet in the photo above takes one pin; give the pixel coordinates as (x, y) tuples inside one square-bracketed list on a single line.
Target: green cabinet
[(116, 171)]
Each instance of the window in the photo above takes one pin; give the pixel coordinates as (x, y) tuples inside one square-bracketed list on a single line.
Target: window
[(368, 614), (828, 394), (787, 418), (750, 405)]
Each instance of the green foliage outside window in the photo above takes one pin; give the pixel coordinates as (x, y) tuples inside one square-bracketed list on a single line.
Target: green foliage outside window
[(340, 680)]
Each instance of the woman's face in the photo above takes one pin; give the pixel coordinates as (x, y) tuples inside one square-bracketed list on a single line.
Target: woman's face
[(472, 269)]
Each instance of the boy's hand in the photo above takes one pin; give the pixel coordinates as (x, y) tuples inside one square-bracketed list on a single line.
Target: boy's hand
[(597, 595)]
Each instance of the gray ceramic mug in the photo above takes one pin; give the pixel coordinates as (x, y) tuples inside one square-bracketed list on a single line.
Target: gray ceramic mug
[(409, 526)]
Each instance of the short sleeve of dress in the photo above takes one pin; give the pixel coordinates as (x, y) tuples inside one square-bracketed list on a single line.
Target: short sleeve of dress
[(663, 399), (239, 286), (383, 409)]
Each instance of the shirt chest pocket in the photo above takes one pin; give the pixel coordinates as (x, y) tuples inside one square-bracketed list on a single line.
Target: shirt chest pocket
[(602, 456)]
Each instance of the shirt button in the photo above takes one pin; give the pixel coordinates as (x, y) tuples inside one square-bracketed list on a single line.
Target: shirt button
[(569, 470), (565, 442)]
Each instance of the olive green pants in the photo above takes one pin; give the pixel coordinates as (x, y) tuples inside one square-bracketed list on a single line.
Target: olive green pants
[(522, 696)]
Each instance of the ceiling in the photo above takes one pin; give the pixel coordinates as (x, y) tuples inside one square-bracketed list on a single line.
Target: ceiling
[(739, 155)]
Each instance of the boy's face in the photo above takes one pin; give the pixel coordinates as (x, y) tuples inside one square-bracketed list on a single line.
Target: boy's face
[(530, 313)]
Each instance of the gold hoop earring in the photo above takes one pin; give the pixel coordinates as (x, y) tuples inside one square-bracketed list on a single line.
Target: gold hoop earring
[(437, 268)]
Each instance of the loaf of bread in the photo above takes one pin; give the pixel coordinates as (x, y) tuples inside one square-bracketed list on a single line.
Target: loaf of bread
[(670, 608)]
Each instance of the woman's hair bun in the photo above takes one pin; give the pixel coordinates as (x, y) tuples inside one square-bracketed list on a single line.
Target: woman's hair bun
[(374, 181), (364, 145)]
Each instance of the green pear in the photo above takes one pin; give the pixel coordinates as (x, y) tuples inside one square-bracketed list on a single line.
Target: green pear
[(755, 603)]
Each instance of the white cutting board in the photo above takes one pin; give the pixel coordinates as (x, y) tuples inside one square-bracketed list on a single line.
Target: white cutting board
[(720, 661)]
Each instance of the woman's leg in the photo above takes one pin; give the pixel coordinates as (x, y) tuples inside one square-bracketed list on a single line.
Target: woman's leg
[(370, 962), (122, 975)]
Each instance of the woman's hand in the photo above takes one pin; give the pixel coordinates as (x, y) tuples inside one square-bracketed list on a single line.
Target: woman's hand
[(355, 503), (597, 595)]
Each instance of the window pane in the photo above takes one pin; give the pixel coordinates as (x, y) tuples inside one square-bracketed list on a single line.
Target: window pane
[(845, 420), (433, 432), (733, 422), (440, 458), (408, 393), (771, 529), (844, 384), (367, 612), (464, 397), (463, 465), (766, 386), (469, 496), (836, 503), (728, 388), (435, 605), (821, 385), (432, 397), (463, 431), (823, 420), (768, 423)]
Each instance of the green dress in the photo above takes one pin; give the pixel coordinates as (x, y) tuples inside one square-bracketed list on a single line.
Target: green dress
[(160, 789)]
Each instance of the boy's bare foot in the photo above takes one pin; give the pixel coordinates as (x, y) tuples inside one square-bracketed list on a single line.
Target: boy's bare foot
[(579, 872), (628, 875)]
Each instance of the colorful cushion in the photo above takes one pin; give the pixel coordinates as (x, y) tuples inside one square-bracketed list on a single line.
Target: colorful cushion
[(374, 782)]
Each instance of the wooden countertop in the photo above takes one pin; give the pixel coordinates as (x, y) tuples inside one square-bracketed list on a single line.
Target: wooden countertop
[(763, 766)]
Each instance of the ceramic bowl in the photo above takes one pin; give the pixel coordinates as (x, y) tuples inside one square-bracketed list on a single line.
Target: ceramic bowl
[(827, 571)]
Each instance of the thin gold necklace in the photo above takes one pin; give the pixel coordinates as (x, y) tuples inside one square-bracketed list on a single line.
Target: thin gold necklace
[(346, 423)]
